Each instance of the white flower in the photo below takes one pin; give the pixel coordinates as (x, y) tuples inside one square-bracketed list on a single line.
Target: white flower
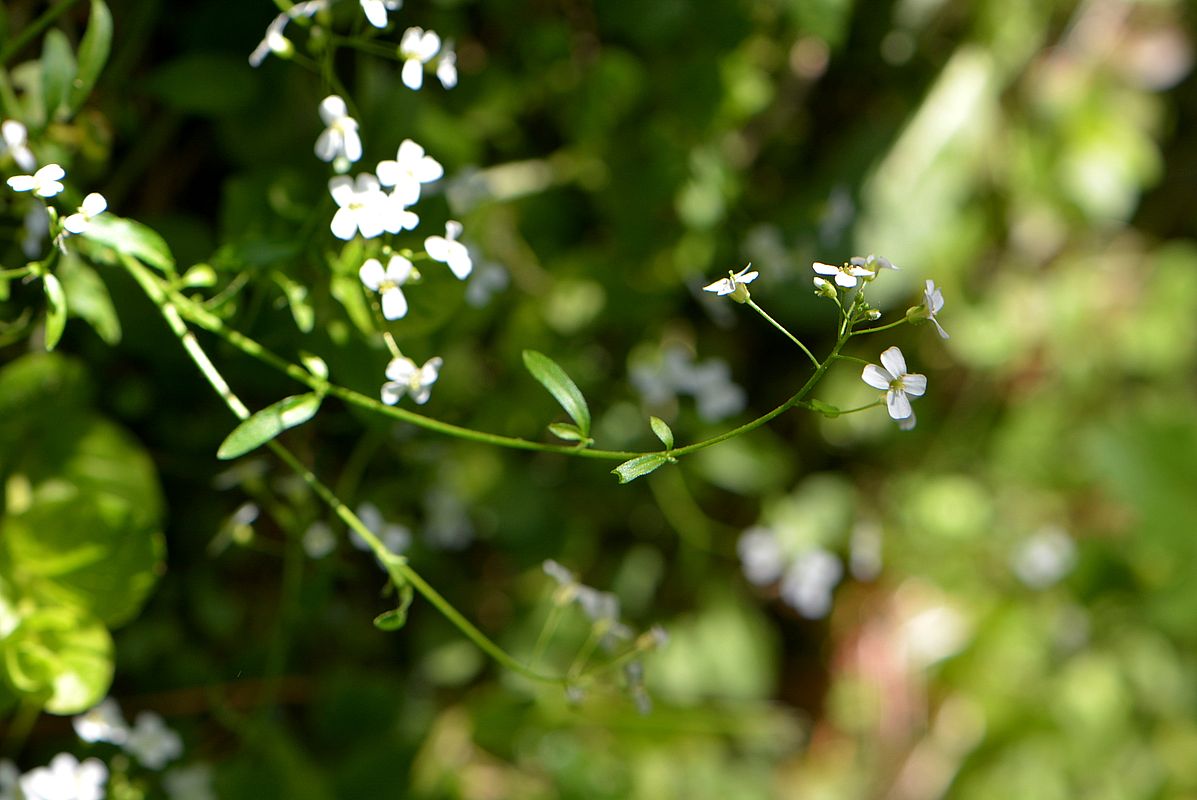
[(387, 282), (407, 378), (340, 137), (872, 263), (363, 206), (274, 41), (395, 538), (318, 540), (446, 66), (734, 284), (448, 250), (761, 556), (932, 303), (808, 583), (93, 205), (376, 10), (104, 723), (46, 182), (66, 779), (410, 168), (396, 215), (1044, 558), (193, 782), (14, 139), (896, 382), (151, 742), (845, 275), (417, 47), (9, 779)]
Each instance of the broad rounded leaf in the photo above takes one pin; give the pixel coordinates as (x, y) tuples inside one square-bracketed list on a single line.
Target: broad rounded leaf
[(56, 310), (633, 468), (663, 431), (566, 392), (269, 423), (93, 53), (61, 654)]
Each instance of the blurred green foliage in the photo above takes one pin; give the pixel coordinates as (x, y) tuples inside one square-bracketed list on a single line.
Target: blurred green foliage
[(1017, 617)]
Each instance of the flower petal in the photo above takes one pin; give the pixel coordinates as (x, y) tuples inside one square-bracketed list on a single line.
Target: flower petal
[(824, 269), (875, 376), (898, 404), (437, 248), (413, 74), (394, 303), (393, 392), (332, 108), (894, 361), (915, 384), (372, 274), (399, 269), (401, 369)]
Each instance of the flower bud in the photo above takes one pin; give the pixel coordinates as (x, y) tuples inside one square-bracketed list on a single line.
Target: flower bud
[(824, 288)]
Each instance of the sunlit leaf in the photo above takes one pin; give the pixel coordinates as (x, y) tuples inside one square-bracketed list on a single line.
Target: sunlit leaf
[(88, 298), (561, 386), (663, 431), (636, 467), (56, 310), (58, 70), (268, 423), (568, 432), (130, 238), (62, 656), (93, 53)]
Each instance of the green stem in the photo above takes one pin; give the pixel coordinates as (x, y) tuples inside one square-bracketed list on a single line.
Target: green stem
[(852, 358), (879, 328), (752, 304), (38, 25), (395, 565), (18, 729)]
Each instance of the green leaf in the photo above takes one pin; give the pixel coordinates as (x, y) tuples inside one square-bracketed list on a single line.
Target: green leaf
[(826, 409), (297, 298), (93, 53), (632, 469), (566, 392), (56, 310), (315, 365), (663, 431), (62, 656), (269, 423), (88, 298), (396, 618), (58, 70), (570, 433), (129, 238)]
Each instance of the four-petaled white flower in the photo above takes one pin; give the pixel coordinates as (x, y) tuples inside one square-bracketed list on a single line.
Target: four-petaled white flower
[(410, 168), (340, 137), (846, 275), (448, 250), (446, 66), (735, 284), (46, 182), (407, 378), (93, 205), (362, 206), (14, 140), (376, 10), (151, 742), (872, 263), (387, 283), (104, 723), (66, 779), (932, 303), (898, 384), (417, 47)]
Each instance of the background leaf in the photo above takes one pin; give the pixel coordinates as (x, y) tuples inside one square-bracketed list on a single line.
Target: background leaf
[(93, 53)]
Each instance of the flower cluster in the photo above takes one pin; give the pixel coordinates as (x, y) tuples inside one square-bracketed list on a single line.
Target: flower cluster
[(149, 740), (47, 182), (807, 580)]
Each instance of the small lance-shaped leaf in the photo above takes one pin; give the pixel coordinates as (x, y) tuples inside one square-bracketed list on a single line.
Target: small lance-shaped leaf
[(633, 468), (663, 431), (268, 423), (58, 70), (56, 310), (826, 409), (131, 238), (561, 386), (93, 53), (570, 433), (396, 618)]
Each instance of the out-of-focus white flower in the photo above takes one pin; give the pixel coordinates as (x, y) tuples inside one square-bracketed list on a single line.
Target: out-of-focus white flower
[(376, 10), (65, 779), (387, 283), (104, 723), (934, 633), (318, 540), (846, 275), (93, 205), (448, 250), (14, 140), (339, 138), (9, 779), (274, 41), (735, 284), (36, 228), (406, 378), (1045, 558), (896, 382), (874, 264), (760, 556), (486, 280), (394, 537), (362, 206), (410, 168), (932, 303), (808, 583), (446, 66), (193, 782), (416, 48), (151, 742), (709, 382), (46, 182)]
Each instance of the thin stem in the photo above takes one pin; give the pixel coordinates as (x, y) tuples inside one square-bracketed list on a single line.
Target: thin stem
[(873, 404), (752, 304), (852, 358), (35, 28), (396, 566), (879, 328)]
